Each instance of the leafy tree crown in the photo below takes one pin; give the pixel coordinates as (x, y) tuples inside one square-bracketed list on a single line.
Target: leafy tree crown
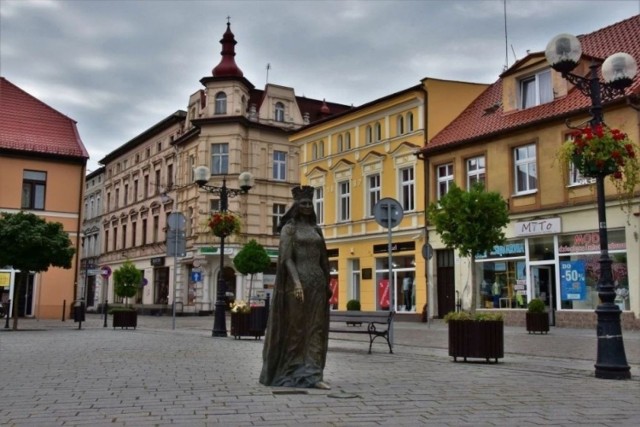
[(252, 258), (127, 280)]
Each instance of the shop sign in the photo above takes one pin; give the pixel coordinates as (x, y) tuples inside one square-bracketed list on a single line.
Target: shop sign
[(157, 261), (538, 226), (590, 242), (572, 280), (515, 249)]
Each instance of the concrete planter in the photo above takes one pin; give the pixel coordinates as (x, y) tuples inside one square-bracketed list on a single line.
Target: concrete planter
[(537, 322), (125, 319), (252, 324), (476, 339)]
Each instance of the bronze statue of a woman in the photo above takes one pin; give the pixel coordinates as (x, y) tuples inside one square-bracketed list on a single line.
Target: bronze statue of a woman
[(296, 340)]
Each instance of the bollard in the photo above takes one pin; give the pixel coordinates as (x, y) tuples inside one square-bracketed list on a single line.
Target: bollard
[(106, 311), (64, 307), (6, 325)]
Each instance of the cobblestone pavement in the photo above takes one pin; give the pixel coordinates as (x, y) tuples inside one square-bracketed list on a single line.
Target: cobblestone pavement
[(53, 374)]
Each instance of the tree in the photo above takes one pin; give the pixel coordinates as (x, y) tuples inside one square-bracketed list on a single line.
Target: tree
[(470, 221), (31, 244), (127, 280), (251, 259)]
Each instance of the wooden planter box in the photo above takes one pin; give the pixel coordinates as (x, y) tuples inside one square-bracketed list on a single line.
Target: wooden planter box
[(252, 324), (476, 339), (125, 319), (537, 322)]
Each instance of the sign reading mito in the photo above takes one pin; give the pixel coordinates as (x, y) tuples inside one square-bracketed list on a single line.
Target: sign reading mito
[(538, 226)]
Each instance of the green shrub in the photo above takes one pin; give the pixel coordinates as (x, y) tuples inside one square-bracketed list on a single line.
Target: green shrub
[(536, 305), (120, 309), (353, 305), (478, 316)]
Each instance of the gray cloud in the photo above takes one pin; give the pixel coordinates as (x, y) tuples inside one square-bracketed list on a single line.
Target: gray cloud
[(118, 67)]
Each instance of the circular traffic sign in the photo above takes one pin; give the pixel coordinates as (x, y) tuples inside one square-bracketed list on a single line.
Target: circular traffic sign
[(105, 271), (388, 212)]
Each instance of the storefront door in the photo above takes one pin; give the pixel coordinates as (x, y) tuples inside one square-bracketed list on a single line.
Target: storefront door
[(544, 287)]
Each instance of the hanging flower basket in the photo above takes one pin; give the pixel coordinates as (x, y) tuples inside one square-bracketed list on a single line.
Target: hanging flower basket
[(601, 151), (223, 224)]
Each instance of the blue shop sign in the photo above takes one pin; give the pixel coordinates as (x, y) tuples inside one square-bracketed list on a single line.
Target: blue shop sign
[(512, 249), (572, 280)]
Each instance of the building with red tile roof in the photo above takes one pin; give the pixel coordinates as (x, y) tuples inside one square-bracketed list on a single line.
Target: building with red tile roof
[(42, 168), (508, 139)]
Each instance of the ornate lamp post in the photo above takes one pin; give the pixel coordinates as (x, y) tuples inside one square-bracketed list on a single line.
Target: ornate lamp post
[(563, 54), (202, 175)]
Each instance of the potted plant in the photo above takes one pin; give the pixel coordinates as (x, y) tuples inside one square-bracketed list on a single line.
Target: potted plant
[(353, 305), (247, 321), (223, 224), (601, 151), (127, 280), (475, 335), (536, 317)]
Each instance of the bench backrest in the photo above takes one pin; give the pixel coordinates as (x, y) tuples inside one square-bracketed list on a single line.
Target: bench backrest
[(362, 316)]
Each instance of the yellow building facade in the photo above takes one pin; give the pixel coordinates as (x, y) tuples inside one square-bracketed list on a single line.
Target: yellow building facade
[(357, 158)]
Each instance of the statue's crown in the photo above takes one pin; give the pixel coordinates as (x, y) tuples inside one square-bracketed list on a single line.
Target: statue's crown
[(302, 192)]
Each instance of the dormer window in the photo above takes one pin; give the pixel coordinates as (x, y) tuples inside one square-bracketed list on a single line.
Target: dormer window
[(279, 112), (536, 89), (221, 103)]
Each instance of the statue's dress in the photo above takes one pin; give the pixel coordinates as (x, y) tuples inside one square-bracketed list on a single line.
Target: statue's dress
[(295, 346)]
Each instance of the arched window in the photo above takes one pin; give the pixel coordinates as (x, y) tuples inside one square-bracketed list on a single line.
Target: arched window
[(369, 135), (221, 103), (409, 122), (347, 141), (321, 149), (279, 112), (378, 132), (314, 151), (400, 125), (243, 102), (340, 146)]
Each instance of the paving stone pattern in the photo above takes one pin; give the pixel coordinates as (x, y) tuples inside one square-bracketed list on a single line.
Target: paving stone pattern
[(53, 374)]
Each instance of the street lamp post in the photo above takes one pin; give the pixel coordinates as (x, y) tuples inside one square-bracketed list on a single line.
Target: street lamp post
[(563, 54), (202, 175)]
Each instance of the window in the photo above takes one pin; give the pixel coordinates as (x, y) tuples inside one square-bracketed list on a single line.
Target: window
[(279, 165), (148, 152), (378, 132), (106, 241), (400, 124), (169, 176), (144, 231), (116, 202), (318, 201), (34, 184), (146, 186), (108, 201), (409, 122), (156, 228), (314, 151), (159, 146), (475, 171), (347, 141), (340, 144), (407, 189), (445, 179), (157, 183), (525, 169), (219, 159), (126, 195), (344, 203), (536, 90), (221, 103), (124, 236), (278, 212), (115, 238), (134, 234), (575, 176), (369, 135), (373, 192), (135, 190), (279, 112), (321, 149), (214, 205)]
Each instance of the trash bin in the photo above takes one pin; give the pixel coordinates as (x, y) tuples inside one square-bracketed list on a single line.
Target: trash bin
[(78, 311)]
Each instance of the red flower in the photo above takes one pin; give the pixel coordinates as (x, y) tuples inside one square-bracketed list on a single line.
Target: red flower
[(617, 175)]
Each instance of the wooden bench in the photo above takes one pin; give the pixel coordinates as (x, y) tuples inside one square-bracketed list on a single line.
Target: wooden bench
[(375, 320)]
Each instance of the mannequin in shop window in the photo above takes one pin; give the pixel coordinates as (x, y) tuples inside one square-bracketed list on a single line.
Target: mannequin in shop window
[(407, 288), (496, 291)]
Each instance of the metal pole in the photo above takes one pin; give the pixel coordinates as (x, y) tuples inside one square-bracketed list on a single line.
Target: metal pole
[(6, 325), (611, 359), (219, 319), (175, 273), (392, 289)]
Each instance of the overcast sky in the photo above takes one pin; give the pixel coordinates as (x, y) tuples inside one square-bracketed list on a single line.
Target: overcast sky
[(119, 67)]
